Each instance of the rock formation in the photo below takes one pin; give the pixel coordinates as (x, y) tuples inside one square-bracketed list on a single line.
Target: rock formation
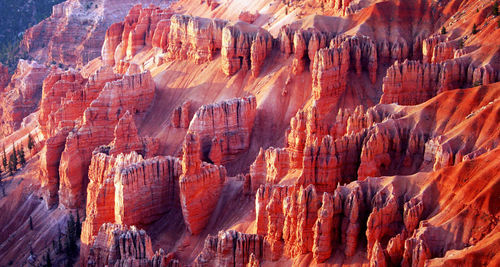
[(22, 95), (181, 116), (128, 190), (61, 38), (195, 38), (133, 93), (200, 185), (226, 126), (120, 245), (245, 47), (231, 248)]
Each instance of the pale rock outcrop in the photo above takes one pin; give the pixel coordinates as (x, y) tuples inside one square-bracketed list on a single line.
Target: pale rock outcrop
[(428, 46), (244, 46), (119, 245), (231, 248), (4, 76), (229, 123), (194, 38), (61, 37), (133, 93), (200, 185), (22, 95)]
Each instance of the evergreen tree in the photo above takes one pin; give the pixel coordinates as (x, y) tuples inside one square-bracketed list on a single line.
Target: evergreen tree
[(14, 156), (31, 223), (47, 258), (31, 143), (495, 9), (443, 30), (22, 159), (4, 160), (78, 224), (474, 29)]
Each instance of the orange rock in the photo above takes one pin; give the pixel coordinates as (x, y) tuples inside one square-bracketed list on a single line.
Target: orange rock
[(390, 147), (248, 17), (119, 244), (231, 248), (200, 185), (410, 83), (194, 38), (322, 246), (128, 190), (378, 257), (229, 122), (181, 116), (133, 93), (244, 46), (22, 95)]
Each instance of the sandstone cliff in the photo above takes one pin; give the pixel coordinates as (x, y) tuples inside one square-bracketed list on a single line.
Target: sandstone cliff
[(224, 128)]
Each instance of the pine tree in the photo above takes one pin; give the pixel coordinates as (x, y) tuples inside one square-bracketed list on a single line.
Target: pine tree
[(495, 9), (14, 156), (47, 258), (22, 159), (474, 29), (443, 30), (31, 223), (4, 160), (31, 143), (78, 224)]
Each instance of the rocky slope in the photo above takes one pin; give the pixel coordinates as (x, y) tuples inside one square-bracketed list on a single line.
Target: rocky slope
[(308, 133)]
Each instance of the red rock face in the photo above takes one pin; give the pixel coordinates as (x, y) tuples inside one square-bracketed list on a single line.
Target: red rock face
[(231, 248), (61, 38), (411, 82), (200, 185), (22, 95), (195, 38), (244, 47), (133, 93), (119, 244), (128, 190), (248, 17), (181, 116), (224, 127), (64, 98)]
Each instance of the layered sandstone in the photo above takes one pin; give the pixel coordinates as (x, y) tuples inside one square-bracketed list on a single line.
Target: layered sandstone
[(120, 245), (64, 98), (391, 148), (22, 95), (133, 93), (231, 248), (194, 38), (181, 116), (61, 37), (224, 128), (128, 190), (244, 46), (200, 185)]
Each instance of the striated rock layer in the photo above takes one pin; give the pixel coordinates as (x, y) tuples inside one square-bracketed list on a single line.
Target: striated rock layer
[(224, 128), (200, 185), (133, 93), (22, 95)]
